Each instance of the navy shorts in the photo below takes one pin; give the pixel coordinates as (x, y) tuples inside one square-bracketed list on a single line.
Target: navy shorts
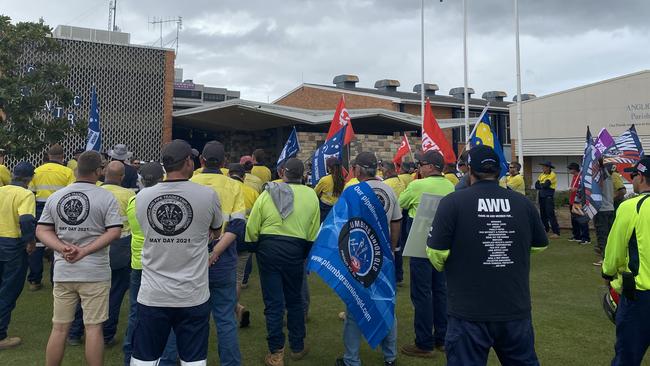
[(468, 343), (191, 326)]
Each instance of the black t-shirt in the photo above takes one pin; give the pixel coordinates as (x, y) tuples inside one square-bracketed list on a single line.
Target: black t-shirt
[(130, 179), (489, 232)]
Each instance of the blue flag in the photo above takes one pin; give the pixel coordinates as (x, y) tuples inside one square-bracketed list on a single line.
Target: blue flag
[(331, 148), (590, 177), (290, 149), (352, 254), (94, 140), (484, 135)]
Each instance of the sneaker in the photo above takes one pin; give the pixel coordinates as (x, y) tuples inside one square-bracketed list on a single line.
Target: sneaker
[(10, 342), (275, 359), (390, 363), (339, 362), (598, 263), (585, 242), (33, 286), (297, 356), (110, 342), (73, 342), (342, 315), (415, 351), (574, 239), (554, 236), (244, 285)]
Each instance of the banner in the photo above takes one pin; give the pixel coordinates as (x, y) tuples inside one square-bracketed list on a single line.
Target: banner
[(483, 134), (433, 138), (416, 242), (333, 147), (626, 152), (341, 119), (590, 178), (291, 148), (352, 254), (94, 139), (402, 151)]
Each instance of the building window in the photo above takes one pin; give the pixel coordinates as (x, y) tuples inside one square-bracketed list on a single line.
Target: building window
[(210, 97), (190, 94)]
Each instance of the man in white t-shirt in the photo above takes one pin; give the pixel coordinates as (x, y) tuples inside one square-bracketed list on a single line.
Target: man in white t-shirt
[(78, 223), (177, 218)]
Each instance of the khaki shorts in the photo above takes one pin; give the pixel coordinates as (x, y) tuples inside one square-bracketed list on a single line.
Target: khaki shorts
[(94, 301), (242, 258)]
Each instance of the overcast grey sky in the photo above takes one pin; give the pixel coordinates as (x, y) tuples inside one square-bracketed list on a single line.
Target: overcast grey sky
[(267, 47)]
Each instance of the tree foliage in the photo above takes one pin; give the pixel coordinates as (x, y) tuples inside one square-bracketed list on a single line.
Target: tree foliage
[(30, 79)]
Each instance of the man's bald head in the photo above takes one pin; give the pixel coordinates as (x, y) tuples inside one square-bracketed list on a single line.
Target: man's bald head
[(114, 172)]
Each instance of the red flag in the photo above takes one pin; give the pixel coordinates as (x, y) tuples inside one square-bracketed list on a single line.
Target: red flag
[(433, 138), (404, 148), (341, 118)]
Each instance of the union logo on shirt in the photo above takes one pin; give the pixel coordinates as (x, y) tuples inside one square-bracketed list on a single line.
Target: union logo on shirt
[(73, 208), (170, 214)]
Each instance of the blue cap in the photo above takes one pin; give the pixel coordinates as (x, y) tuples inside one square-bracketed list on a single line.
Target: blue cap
[(24, 170)]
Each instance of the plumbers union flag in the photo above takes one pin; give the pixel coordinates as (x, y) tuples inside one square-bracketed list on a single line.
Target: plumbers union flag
[(352, 255)]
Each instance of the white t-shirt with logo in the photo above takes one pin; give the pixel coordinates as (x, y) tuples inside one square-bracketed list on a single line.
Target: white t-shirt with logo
[(388, 199), (176, 218), (80, 213)]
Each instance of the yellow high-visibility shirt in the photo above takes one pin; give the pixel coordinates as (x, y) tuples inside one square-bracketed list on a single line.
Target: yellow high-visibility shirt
[(72, 164), (302, 223), (250, 196), (122, 195), (516, 183), (550, 176), (262, 172), (14, 202), (617, 181), (406, 178), (410, 198), (351, 182), (325, 190), (5, 176), (137, 236), (396, 184), (49, 178), (254, 182), (229, 192), (452, 178)]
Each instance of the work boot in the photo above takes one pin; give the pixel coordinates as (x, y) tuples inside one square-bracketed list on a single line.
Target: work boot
[(297, 356), (275, 359), (33, 286), (415, 351), (10, 342)]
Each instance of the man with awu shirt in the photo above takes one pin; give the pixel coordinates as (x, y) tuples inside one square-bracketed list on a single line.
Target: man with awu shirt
[(177, 218), (223, 273), (78, 223), (482, 237)]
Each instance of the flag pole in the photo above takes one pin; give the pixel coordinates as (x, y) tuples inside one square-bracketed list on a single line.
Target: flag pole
[(422, 61), (520, 134), (466, 93)]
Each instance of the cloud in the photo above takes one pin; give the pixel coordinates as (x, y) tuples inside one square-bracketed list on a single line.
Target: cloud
[(264, 48)]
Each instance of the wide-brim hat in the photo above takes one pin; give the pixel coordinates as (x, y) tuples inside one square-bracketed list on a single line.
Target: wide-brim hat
[(120, 152), (548, 164)]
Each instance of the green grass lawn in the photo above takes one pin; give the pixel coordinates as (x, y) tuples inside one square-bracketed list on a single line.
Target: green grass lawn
[(570, 326)]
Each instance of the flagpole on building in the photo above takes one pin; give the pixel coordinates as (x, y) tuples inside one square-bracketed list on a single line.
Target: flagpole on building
[(520, 134), (466, 94), (422, 62)]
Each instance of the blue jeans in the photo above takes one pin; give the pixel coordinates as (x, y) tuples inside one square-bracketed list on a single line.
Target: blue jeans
[(119, 287), (429, 298), (170, 355), (12, 279), (282, 289), (223, 302), (352, 341), (632, 329), (469, 343)]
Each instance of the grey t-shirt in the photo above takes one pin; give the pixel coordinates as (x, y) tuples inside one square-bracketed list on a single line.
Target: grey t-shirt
[(388, 199), (80, 213), (176, 218), (608, 193)]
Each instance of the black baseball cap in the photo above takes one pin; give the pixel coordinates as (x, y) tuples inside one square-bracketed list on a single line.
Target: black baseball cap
[(176, 151), (213, 151), (24, 170), (432, 157), (294, 168), (483, 159), (236, 169), (151, 171), (366, 159), (573, 166), (642, 167)]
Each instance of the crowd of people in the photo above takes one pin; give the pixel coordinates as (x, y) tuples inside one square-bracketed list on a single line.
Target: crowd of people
[(180, 240)]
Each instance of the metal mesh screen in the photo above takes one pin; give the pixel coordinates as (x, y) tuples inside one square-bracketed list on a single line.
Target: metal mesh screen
[(130, 84)]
